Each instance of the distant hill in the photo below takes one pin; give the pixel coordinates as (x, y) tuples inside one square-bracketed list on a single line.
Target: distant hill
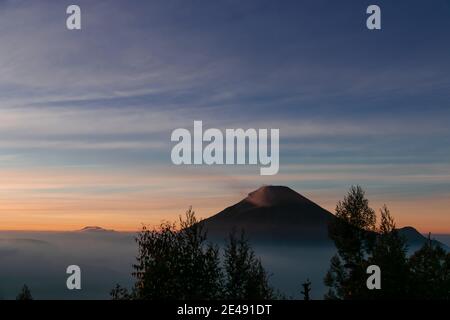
[(279, 215), (416, 239), (95, 229)]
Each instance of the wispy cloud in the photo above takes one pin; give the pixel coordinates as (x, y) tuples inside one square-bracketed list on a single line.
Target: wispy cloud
[(101, 103)]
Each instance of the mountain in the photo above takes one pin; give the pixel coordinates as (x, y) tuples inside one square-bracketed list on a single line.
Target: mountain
[(413, 236), (279, 215), (416, 239), (273, 214), (94, 229)]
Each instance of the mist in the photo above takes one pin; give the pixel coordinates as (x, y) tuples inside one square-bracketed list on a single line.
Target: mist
[(106, 258), (40, 260)]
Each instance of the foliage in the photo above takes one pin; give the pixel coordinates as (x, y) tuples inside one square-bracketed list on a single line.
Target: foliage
[(176, 262), (430, 272), (245, 277), (354, 237), (426, 274), (390, 254), (306, 290), (25, 294)]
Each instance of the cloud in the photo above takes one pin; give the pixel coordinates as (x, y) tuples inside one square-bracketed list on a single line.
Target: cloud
[(159, 50), (107, 98)]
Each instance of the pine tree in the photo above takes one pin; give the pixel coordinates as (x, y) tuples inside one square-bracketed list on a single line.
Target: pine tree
[(430, 272), (177, 263), (389, 254), (245, 276), (335, 280), (306, 290), (25, 294), (121, 293), (353, 233), (426, 274)]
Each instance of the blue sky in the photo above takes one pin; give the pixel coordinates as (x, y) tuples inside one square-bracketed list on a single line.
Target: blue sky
[(352, 105)]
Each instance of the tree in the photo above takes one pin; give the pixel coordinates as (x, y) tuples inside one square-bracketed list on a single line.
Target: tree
[(121, 293), (335, 279), (389, 253), (306, 290), (245, 277), (25, 294), (430, 272), (353, 232), (426, 274), (176, 263)]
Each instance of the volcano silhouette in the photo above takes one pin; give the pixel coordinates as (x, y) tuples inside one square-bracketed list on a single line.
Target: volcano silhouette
[(273, 214)]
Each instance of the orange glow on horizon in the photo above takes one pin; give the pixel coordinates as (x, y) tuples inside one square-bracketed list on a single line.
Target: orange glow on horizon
[(122, 218), (61, 199)]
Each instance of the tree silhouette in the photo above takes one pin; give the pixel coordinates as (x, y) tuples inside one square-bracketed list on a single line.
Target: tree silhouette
[(306, 290), (426, 274), (430, 272), (389, 253), (120, 293), (245, 277), (335, 279), (175, 261), (354, 237), (25, 294)]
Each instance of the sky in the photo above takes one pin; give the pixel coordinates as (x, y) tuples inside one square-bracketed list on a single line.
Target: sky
[(86, 116)]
